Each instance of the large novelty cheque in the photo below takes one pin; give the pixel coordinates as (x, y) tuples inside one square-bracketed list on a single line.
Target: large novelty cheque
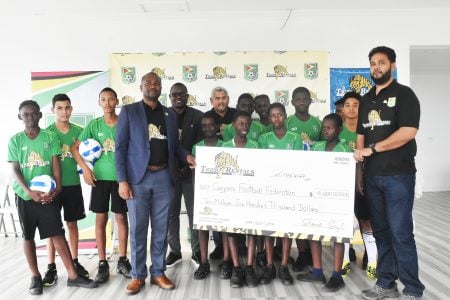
[(287, 193)]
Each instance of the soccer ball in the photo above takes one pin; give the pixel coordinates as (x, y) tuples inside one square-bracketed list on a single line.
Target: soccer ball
[(42, 183), (90, 150), (88, 163)]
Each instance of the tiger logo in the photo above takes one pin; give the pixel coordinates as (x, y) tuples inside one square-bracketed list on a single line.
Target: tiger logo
[(374, 118), (34, 159), (65, 152), (192, 100), (360, 84), (109, 146), (224, 161), (219, 72), (306, 138), (160, 72), (280, 71)]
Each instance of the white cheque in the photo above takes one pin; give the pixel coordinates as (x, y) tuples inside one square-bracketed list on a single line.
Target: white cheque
[(298, 194)]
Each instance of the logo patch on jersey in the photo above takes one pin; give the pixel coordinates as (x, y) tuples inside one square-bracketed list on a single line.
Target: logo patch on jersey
[(35, 160), (154, 133), (374, 118), (65, 152), (109, 146), (391, 101), (100, 134)]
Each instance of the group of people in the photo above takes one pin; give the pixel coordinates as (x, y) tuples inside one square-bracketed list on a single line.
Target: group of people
[(146, 169)]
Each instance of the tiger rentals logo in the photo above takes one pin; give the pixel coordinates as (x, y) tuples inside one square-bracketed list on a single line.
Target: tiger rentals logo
[(226, 164)]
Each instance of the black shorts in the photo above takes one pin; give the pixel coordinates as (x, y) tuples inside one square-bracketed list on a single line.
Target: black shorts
[(45, 217), (100, 195), (71, 199), (361, 207)]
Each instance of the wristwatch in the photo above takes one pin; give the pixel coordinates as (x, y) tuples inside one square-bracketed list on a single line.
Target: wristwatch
[(372, 147)]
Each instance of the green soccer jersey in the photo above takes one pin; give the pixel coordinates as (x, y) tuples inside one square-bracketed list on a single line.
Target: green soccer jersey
[(266, 128), (256, 129), (290, 141), (309, 130), (202, 143), (348, 137), (340, 147), (34, 156), (69, 171), (97, 129), (251, 144)]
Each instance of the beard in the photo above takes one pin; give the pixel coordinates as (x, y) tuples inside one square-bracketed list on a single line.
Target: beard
[(383, 79)]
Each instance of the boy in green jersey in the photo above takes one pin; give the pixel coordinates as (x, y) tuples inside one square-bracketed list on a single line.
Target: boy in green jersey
[(71, 196), (278, 138), (245, 103), (210, 126), (241, 124), (306, 125), (104, 184), (31, 153), (350, 109), (331, 127)]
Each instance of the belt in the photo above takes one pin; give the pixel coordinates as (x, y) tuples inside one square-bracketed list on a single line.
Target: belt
[(156, 168)]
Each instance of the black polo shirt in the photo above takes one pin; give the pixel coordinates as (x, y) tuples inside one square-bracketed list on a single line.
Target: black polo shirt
[(223, 121), (381, 115), (157, 131)]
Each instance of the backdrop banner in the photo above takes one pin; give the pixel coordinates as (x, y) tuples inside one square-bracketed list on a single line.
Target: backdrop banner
[(276, 74)]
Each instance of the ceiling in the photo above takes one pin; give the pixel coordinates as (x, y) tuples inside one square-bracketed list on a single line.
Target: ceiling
[(114, 7)]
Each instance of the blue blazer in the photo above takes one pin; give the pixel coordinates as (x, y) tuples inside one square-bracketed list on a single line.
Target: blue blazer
[(133, 146)]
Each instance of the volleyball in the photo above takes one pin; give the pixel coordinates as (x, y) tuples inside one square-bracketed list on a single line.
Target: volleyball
[(42, 183), (88, 163), (90, 150)]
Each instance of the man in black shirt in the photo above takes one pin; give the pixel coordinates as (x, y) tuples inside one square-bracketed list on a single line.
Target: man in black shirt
[(220, 109), (388, 121), (190, 133)]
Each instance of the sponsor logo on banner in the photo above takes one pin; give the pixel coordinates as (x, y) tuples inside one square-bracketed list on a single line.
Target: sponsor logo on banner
[(128, 74), (251, 72), (162, 74), (219, 73), (280, 71), (158, 53), (279, 52), (282, 96), (190, 73), (163, 99), (220, 52), (360, 84), (311, 70), (127, 100), (226, 164)]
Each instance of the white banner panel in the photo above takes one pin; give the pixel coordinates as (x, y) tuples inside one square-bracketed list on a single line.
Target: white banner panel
[(275, 73), (297, 194)]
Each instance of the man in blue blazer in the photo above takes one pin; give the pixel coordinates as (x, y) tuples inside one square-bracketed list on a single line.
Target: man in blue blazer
[(147, 153)]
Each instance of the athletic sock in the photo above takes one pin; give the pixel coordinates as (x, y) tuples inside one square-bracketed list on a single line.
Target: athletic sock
[(346, 252), (371, 247)]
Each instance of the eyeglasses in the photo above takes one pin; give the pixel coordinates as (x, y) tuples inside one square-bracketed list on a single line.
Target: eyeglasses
[(176, 95)]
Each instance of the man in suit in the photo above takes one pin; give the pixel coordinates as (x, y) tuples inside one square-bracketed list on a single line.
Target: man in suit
[(190, 133), (147, 154)]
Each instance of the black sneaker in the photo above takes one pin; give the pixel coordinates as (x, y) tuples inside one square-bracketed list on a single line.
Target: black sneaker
[(124, 267), (81, 271), (285, 276), (36, 286), (81, 281), (237, 278), (202, 271), (334, 284), (226, 269), (261, 260), (217, 253), (251, 280), (268, 275), (172, 259), (195, 259), (50, 276), (300, 264), (351, 254), (310, 277), (102, 273)]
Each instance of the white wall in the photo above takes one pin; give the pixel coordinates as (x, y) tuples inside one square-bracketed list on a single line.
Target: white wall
[(83, 42), (433, 162)]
